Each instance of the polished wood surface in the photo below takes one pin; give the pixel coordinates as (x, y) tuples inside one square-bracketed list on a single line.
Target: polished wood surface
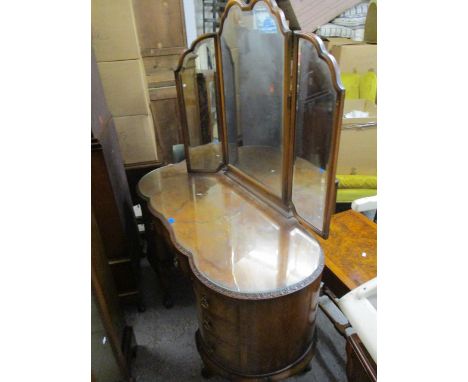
[(236, 242), (264, 164), (351, 236)]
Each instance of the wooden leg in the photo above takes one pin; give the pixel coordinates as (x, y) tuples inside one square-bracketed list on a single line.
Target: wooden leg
[(161, 261)]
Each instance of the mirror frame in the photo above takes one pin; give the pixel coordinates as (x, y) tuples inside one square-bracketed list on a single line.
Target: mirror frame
[(284, 203), (181, 102), (330, 198)]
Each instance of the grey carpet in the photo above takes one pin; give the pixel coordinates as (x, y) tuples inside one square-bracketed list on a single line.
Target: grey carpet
[(166, 339)]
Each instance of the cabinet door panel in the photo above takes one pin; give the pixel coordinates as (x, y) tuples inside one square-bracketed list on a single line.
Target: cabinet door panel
[(160, 25)]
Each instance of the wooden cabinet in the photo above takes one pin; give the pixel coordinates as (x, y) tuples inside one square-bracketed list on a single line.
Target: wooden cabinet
[(112, 341), (161, 26), (110, 198)]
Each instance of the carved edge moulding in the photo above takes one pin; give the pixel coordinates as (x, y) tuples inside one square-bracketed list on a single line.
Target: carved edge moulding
[(169, 233), (283, 202)]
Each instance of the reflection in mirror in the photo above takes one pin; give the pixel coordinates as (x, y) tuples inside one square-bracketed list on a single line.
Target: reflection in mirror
[(316, 107), (252, 48), (198, 76)]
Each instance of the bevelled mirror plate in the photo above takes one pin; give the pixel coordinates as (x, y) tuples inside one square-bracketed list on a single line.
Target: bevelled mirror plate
[(315, 112), (252, 53), (198, 77)]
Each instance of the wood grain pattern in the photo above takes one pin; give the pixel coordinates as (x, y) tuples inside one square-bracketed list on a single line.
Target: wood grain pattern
[(236, 242), (161, 26), (360, 366), (351, 235), (256, 338)]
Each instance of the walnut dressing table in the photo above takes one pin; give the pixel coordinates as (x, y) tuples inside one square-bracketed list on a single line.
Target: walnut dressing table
[(261, 108)]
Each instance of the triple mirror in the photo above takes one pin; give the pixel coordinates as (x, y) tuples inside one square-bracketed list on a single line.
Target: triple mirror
[(264, 103)]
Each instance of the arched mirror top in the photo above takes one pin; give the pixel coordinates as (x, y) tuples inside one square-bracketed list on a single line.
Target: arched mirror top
[(332, 71), (196, 78), (260, 5), (191, 51)]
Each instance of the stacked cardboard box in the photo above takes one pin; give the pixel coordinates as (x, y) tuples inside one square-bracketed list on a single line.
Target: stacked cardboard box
[(115, 44), (352, 56), (358, 143)]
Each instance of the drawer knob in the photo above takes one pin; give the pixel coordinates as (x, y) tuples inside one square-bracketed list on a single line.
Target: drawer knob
[(204, 302)]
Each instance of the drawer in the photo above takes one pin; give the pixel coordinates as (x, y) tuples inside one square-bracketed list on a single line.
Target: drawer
[(215, 306), (220, 350), (218, 328)]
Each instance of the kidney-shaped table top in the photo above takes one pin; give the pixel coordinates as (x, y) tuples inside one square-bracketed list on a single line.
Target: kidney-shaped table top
[(235, 240)]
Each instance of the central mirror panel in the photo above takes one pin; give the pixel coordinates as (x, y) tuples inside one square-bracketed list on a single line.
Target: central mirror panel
[(198, 76), (253, 49)]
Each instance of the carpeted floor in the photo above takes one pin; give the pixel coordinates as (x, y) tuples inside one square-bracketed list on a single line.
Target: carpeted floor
[(166, 339)]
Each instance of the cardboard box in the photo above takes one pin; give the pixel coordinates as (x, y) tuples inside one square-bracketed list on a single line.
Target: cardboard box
[(331, 42), (113, 30), (125, 87), (358, 143), (356, 58), (136, 138), (308, 15)]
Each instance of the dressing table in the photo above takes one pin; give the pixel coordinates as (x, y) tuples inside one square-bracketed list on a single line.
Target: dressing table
[(261, 110)]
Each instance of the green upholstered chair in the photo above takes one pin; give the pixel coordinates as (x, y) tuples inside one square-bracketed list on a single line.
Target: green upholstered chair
[(352, 187)]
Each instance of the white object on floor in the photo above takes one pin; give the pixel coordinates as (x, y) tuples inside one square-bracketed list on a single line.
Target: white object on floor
[(137, 211), (367, 206), (356, 114), (360, 307)]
